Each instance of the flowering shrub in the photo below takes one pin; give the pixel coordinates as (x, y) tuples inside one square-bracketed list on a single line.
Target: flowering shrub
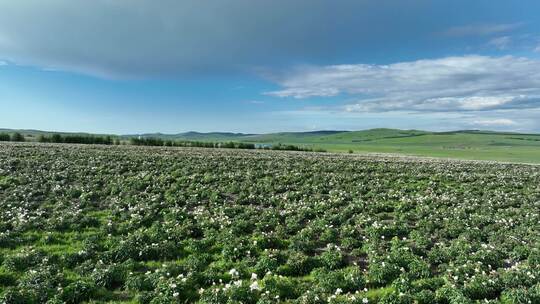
[(280, 287), (268, 261), (344, 280), (14, 296), (108, 276), (332, 257), (179, 289), (78, 291), (23, 260), (298, 264)]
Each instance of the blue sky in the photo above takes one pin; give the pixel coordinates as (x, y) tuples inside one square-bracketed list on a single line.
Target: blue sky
[(267, 66)]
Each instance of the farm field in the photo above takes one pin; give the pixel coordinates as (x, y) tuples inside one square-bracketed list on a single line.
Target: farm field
[(473, 145), (126, 224), (465, 144)]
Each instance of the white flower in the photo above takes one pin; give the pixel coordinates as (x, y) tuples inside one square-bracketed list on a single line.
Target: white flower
[(365, 300), (254, 286), (176, 294), (253, 276), (233, 272)]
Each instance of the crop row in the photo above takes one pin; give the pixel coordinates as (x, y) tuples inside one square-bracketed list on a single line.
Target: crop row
[(179, 225)]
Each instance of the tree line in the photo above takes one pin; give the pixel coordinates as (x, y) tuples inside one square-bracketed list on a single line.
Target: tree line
[(78, 139), (291, 148), (150, 141), (13, 137)]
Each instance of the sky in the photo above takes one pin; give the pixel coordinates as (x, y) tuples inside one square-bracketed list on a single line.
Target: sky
[(141, 66)]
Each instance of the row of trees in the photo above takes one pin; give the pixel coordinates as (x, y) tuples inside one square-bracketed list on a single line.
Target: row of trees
[(78, 139), (292, 148), (149, 141), (13, 137)]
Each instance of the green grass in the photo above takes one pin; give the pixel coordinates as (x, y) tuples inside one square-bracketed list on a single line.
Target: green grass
[(523, 148), (183, 219), (474, 145)]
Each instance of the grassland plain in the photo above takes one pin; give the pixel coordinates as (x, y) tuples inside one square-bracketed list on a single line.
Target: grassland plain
[(472, 144), (124, 224)]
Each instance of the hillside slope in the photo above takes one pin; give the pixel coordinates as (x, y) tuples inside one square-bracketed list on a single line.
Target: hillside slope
[(464, 144)]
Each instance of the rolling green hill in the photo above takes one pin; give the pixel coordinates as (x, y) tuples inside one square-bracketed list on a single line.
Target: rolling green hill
[(478, 145), (464, 144), (333, 137)]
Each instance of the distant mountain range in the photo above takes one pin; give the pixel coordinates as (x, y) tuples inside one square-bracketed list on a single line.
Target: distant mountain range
[(315, 136), (310, 136)]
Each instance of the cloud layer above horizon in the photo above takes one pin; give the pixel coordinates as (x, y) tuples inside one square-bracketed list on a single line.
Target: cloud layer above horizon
[(271, 65), (466, 83), (141, 39)]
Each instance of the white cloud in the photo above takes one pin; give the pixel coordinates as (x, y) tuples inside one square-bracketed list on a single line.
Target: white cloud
[(501, 122), (501, 43), (467, 83), (443, 104), (3, 63), (481, 29), (537, 49)]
